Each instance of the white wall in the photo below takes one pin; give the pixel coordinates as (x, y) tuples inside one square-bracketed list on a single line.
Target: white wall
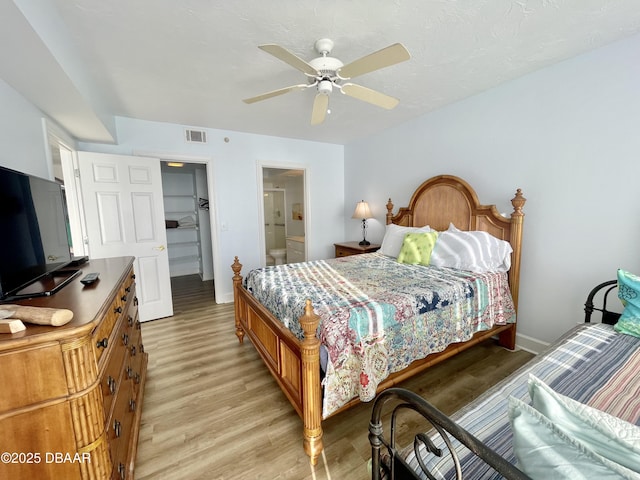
[(21, 134), (569, 136), (235, 182)]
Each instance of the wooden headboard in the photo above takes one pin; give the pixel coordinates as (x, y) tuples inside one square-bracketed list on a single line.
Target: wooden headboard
[(448, 199)]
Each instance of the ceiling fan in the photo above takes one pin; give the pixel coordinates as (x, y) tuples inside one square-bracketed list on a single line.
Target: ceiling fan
[(326, 73)]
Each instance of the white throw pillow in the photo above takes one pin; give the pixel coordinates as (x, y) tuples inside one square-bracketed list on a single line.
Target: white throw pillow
[(606, 435), (475, 251), (546, 452), (394, 236)]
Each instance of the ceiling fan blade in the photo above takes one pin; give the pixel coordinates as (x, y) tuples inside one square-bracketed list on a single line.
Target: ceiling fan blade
[(371, 96), (286, 56), (320, 104), (275, 93), (386, 57)]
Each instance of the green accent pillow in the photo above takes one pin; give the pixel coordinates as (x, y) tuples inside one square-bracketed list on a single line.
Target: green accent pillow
[(417, 247), (629, 294)]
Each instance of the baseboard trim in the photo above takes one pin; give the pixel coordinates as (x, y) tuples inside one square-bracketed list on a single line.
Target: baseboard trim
[(227, 298), (530, 344)]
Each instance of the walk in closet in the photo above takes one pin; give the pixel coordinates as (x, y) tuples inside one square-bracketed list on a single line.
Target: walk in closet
[(186, 208)]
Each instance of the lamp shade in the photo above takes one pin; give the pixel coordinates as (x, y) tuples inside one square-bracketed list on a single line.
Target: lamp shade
[(362, 211)]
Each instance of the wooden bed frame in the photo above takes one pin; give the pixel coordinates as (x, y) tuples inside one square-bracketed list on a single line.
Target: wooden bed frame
[(295, 364)]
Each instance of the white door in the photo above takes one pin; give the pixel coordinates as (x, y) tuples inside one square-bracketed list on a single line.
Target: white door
[(122, 197)]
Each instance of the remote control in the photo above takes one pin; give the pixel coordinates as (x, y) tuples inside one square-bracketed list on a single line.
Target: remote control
[(89, 278)]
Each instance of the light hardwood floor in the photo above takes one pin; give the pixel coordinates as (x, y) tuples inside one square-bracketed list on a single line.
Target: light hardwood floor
[(212, 411)]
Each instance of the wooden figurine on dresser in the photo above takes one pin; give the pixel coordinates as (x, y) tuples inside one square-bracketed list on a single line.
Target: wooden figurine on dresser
[(72, 371)]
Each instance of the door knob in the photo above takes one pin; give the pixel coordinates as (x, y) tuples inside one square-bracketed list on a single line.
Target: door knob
[(161, 247)]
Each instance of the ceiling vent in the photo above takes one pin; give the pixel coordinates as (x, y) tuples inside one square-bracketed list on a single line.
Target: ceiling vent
[(196, 136)]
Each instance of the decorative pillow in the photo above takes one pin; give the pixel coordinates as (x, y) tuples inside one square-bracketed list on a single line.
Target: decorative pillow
[(629, 294), (604, 434), (544, 451), (417, 248), (394, 236), (475, 251)]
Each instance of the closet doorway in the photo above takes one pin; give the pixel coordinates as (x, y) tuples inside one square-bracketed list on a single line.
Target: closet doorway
[(283, 209), (186, 207)]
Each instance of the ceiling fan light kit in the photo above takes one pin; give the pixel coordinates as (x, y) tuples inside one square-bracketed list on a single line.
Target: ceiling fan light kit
[(326, 72), (325, 87)]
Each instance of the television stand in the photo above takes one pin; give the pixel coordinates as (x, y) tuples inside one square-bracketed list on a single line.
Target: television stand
[(46, 285)]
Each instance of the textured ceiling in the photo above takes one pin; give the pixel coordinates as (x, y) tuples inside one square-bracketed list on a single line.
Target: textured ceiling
[(192, 62)]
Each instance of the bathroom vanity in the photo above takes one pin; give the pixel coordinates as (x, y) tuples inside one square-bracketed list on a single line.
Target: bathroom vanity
[(295, 249)]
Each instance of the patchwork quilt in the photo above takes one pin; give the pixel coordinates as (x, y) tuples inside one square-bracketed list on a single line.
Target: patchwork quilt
[(378, 315)]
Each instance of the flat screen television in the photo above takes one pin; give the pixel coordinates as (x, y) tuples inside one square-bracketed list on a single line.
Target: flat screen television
[(35, 240)]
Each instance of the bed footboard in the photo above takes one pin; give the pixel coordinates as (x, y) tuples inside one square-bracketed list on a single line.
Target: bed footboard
[(294, 364), (392, 461)]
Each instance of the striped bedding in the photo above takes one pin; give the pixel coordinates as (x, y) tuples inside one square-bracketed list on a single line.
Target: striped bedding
[(592, 364), (378, 316)]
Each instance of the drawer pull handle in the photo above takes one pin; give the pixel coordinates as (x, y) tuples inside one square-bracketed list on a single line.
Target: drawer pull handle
[(128, 289), (117, 310), (112, 384), (121, 471), (130, 321), (135, 301), (125, 339), (133, 276), (138, 325), (136, 378), (141, 348), (117, 428), (129, 372), (133, 350), (123, 298), (132, 405), (102, 343)]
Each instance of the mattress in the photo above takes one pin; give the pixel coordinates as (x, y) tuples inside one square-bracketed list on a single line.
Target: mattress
[(378, 315)]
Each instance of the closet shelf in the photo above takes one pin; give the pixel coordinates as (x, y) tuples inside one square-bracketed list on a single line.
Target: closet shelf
[(184, 227), (184, 258), (184, 244), (180, 212)]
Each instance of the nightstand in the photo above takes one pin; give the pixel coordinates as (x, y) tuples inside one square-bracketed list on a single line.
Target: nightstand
[(354, 248)]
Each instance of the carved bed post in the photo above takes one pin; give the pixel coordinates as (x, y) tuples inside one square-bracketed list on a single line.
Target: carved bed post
[(237, 283), (508, 338), (517, 218), (389, 211), (311, 395)]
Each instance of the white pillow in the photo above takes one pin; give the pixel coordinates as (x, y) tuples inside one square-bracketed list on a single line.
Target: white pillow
[(544, 451), (475, 251), (394, 236), (604, 434)]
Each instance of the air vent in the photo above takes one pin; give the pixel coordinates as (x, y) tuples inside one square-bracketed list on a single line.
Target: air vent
[(196, 136)]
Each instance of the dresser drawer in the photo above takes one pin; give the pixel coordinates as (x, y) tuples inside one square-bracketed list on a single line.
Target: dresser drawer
[(136, 355), (110, 381), (28, 437), (120, 304), (44, 369), (119, 427)]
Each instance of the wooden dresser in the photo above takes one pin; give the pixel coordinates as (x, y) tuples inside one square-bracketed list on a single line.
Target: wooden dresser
[(71, 396)]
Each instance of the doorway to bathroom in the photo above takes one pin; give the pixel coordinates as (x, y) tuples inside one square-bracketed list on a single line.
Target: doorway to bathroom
[(283, 214)]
